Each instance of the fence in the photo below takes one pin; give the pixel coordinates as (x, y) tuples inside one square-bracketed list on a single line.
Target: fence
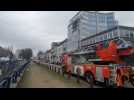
[(52, 67), (12, 75)]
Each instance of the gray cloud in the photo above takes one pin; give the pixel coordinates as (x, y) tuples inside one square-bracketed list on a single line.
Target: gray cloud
[(37, 30), (33, 29)]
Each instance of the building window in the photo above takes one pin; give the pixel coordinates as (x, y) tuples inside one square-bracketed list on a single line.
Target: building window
[(84, 43), (115, 33), (127, 34), (110, 18), (124, 33), (91, 41), (111, 35), (94, 39), (97, 38), (88, 42), (101, 38), (121, 33), (75, 25), (101, 19), (92, 18), (85, 17), (105, 36), (131, 35)]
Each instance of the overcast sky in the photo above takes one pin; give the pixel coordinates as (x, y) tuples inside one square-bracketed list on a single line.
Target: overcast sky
[(36, 30)]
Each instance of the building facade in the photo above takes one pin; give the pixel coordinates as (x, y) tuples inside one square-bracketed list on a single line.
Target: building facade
[(124, 34), (85, 24), (61, 48), (57, 49), (48, 56)]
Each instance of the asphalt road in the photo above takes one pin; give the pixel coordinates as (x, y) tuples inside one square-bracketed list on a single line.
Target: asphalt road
[(38, 76)]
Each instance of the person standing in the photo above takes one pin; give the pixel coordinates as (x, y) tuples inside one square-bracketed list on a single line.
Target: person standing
[(119, 79), (106, 75), (78, 75)]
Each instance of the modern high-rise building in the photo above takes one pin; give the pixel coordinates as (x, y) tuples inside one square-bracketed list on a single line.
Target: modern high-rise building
[(87, 23)]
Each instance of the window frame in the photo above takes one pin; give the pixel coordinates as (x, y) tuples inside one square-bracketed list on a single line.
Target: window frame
[(115, 33), (131, 33), (102, 19), (105, 36)]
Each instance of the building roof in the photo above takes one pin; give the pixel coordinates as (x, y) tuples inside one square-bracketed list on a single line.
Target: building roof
[(120, 27), (78, 13), (48, 51), (62, 42), (90, 12), (126, 27)]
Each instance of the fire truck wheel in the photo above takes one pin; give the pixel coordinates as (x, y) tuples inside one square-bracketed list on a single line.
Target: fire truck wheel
[(124, 78), (90, 79), (132, 79)]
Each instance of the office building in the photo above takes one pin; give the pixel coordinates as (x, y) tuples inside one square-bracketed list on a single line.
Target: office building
[(87, 23)]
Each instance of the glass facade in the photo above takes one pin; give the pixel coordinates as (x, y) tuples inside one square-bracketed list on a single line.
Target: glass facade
[(86, 24)]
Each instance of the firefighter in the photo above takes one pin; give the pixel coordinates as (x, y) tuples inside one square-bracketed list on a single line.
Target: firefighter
[(119, 79), (78, 75), (69, 71), (131, 75), (68, 67), (106, 75)]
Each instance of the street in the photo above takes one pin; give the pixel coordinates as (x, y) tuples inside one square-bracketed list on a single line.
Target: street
[(67, 49), (40, 77)]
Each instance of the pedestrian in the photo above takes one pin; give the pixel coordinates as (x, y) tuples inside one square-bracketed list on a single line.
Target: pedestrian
[(106, 75), (78, 75), (119, 79), (69, 71)]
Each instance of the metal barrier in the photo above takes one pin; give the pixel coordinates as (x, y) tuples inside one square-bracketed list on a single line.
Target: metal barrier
[(12, 79), (5, 82), (52, 67)]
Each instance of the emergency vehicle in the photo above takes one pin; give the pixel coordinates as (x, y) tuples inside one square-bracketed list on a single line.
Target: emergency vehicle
[(103, 65)]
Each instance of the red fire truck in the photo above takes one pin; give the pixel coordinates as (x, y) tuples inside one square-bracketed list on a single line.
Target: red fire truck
[(104, 65)]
